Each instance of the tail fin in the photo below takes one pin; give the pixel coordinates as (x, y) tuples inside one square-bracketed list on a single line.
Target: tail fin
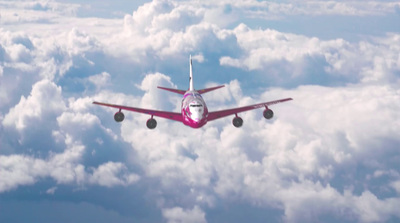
[(191, 88), (182, 92)]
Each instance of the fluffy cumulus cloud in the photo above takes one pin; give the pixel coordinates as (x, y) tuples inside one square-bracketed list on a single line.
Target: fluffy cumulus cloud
[(45, 98), (329, 155), (43, 116), (317, 162), (302, 57)]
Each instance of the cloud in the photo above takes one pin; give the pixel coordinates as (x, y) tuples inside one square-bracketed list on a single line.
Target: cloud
[(199, 58), (274, 10), (60, 126), (165, 28), (333, 149), (365, 208), (100, 80), (177, 214), (64, 168), (51, 190), (44, 100), (231, 91), (14, 175), (303, 58), (154, 97), (21, 12), (108, 175), (319, 143)]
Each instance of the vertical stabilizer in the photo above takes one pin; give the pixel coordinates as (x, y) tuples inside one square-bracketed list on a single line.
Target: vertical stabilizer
[(191, 88)]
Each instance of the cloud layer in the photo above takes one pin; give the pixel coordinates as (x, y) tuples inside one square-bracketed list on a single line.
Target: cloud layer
[(332, 154)]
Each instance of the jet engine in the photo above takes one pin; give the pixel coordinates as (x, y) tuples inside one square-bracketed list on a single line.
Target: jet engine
[(151, 123), (268, 113), (237, 122), (119, 116)]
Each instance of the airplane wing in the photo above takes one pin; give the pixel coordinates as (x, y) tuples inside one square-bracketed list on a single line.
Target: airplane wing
[(163, 114), (223, 113)]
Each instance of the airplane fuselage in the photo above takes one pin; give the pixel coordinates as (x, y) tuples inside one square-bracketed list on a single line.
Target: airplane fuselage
[(194, 109)]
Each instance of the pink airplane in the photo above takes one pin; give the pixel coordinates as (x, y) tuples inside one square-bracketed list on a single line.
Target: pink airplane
[(194, 112)]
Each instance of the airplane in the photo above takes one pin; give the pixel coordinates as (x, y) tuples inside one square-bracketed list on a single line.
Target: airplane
[(194, 111)]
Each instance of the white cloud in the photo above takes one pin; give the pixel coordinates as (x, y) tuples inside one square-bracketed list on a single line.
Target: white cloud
[(51, 190), (44, 100), (26, 170), (371, 209), (165, 28), (111, 174), (330, 150), (276, 10), (101, 79), (296, 55), (82, 104), (322, 131), (64, 168), (178, 214), (396, 186), (155, 98), (19, 170), (326, 200), (34, 11), (79, 42), (199, 58), (82, 121)]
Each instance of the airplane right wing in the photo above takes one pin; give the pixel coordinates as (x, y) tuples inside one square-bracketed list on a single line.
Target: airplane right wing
[(223, 113)]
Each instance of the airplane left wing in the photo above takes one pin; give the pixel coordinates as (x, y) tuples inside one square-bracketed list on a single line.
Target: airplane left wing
[(223, 113), (163, 114)]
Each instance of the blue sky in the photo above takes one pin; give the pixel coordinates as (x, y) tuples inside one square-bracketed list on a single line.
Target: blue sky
[(331, 155)]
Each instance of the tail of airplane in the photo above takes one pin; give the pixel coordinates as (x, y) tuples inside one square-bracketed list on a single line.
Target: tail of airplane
[(191, 88)]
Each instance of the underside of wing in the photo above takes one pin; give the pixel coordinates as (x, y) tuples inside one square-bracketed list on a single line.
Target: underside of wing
[(224, 113), (163, 114)]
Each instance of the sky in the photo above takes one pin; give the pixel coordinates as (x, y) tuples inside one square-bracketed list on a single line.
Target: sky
[(330, 155)]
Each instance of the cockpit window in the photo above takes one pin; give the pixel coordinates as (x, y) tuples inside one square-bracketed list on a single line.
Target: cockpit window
[(198, 105)]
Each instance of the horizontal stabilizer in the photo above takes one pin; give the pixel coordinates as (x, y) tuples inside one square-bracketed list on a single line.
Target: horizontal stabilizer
[(182, 92), (202, 91)]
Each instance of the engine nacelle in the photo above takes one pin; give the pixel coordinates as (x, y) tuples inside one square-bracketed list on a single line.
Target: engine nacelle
[(119, 116), (151, 123), (268, 113), (237, 122)]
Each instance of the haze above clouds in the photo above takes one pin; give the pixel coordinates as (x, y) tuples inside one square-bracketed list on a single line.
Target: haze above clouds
[(330, 155)]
